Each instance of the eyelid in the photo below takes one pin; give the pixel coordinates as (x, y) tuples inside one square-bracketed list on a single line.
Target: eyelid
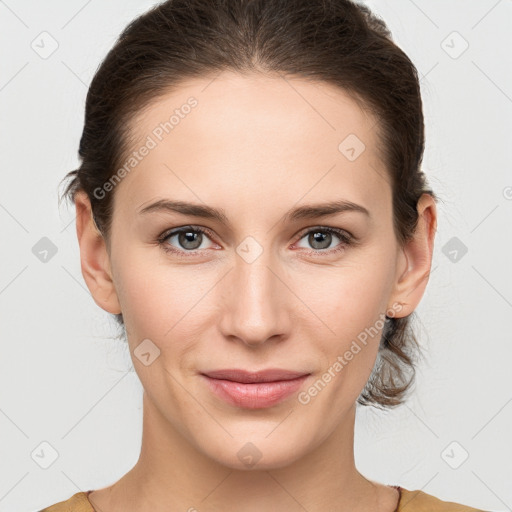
[(337, 231), (191, 227)]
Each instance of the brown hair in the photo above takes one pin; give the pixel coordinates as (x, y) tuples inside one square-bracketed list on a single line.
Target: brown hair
[(335, 41)]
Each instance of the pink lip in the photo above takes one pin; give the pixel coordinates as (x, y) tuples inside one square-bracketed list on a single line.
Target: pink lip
[(254, 390)]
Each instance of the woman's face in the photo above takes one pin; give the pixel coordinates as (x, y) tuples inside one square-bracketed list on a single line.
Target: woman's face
[(266, 285)]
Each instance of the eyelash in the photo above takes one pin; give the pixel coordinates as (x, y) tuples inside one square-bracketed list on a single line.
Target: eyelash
[(346, 240)]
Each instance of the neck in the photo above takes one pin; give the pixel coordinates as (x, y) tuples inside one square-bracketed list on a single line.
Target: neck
[(173, 474)]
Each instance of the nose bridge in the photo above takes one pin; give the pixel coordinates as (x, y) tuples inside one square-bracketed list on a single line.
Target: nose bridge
[(254, 308)]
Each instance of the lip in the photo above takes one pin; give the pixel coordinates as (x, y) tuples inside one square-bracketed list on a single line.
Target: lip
[(254, 390), (246, 377)]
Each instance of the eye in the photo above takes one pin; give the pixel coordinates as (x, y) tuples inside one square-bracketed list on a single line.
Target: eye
[(320, 238), (192, 239), (187, 239)]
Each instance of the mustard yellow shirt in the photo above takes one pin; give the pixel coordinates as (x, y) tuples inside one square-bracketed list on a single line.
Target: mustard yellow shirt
[(410, 501)]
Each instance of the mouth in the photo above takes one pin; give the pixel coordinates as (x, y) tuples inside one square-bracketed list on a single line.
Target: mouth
[(246, 377), (254, 390)]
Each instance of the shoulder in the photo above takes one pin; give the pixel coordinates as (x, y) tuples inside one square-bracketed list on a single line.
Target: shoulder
[(77, 503), (410, 501), (419, 501)]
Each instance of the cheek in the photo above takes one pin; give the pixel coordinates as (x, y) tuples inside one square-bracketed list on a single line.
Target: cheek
[(346, 300), (334, 305), (350, 305), (159, 301), (146, 312), (157, 305)]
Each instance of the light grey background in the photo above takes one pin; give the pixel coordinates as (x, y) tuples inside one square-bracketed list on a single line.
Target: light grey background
[(65, 381)]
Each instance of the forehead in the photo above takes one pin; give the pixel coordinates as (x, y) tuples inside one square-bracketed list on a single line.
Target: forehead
[(260, 133)]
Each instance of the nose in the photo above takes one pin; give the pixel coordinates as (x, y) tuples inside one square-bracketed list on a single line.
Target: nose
[(255, 302)]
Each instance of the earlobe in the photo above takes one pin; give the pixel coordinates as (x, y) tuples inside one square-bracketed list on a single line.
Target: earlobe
[(416, 258), (94, 257)]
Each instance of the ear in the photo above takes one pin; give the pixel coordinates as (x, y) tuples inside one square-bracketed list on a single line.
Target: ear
[(94, 258), (415, 259)]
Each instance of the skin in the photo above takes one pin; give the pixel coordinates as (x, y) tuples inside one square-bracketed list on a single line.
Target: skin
[(255, 147)]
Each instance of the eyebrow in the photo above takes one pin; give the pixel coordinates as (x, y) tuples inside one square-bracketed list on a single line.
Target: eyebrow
[(310, 211)]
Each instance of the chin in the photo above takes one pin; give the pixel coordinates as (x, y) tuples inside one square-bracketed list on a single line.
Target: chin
[(255, 451)]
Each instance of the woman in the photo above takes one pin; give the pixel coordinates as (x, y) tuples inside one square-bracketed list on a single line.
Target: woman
[(250, 206)]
